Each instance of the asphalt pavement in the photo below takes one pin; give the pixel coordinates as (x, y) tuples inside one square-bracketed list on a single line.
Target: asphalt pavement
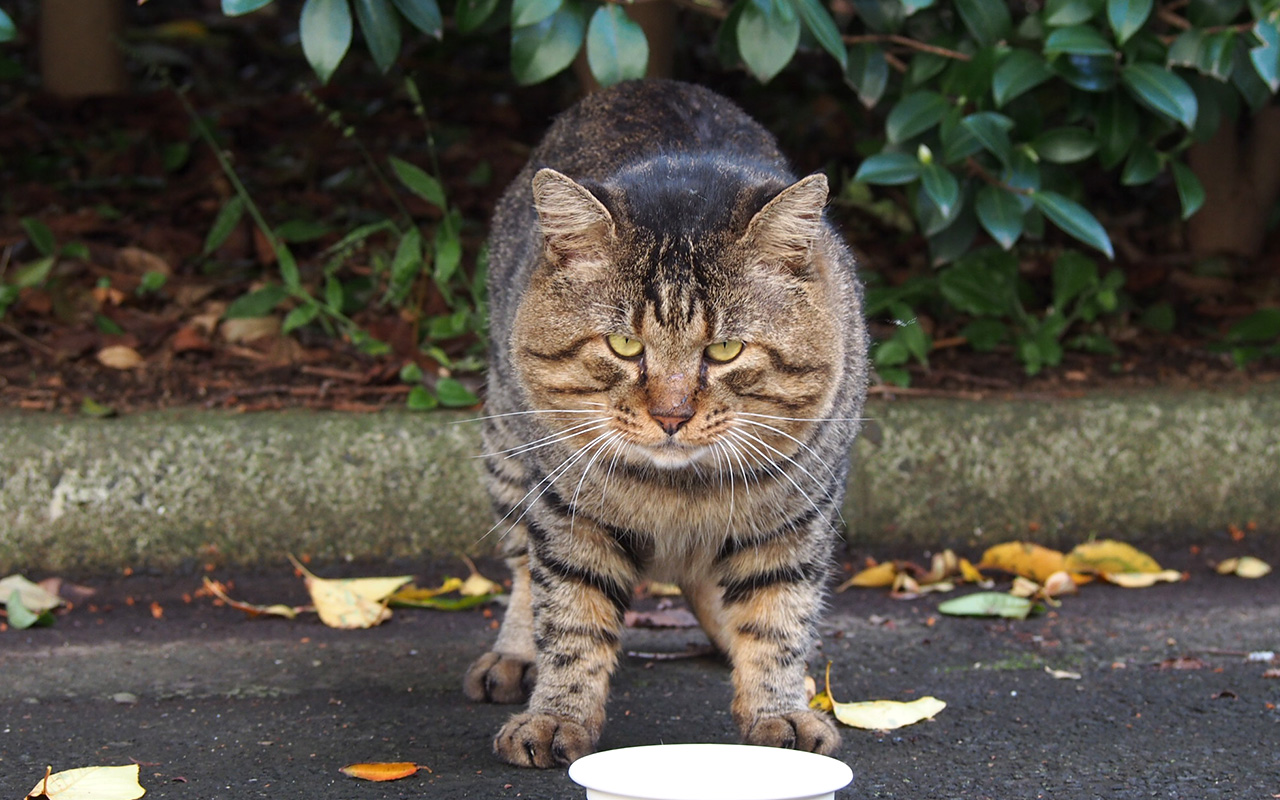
[(1162, 699)]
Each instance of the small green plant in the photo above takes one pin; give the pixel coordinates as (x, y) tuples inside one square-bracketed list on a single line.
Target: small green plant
[(36, 272), (411, 263), (1255, 337)]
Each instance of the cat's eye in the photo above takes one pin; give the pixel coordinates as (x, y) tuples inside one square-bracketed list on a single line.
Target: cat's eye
[(723, 351), (624, 346)]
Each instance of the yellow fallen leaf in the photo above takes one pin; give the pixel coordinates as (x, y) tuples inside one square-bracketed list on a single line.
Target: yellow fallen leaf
[(1141, 580), (942, 566), (1244, 567), (1060, 583), (33, 596), (1027, 559), (219, 591), (476, 584), (118, 356), (351, 603), (90, 783), (876, 715), (886, 715), (411, 594), (969, 573), (381, 771), (877, 577), (1109, 556)]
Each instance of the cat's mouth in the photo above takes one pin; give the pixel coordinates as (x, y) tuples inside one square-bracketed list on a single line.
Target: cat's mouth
[(672, 454)]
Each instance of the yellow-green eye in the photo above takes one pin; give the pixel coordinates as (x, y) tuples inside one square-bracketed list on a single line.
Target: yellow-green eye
[(724, 351), (624, 346)]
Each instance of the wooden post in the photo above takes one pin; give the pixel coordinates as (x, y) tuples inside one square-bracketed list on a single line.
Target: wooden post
[(78, 52)]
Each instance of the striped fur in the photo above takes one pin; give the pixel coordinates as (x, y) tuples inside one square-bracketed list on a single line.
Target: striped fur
[(660, 212)]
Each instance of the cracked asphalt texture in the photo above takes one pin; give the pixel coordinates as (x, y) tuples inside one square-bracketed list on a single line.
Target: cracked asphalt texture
[(216, 705)]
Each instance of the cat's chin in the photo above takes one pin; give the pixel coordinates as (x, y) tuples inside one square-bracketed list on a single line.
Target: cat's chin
[(670, 455)]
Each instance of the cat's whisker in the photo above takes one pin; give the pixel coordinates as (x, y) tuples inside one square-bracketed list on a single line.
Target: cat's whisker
[(546, 441), (803, 419), (542, 486), (830, 472), (612, 439), (531, 412), (758, 446)]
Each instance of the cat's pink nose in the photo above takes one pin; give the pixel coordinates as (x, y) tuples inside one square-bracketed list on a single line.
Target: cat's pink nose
[(672, 419)]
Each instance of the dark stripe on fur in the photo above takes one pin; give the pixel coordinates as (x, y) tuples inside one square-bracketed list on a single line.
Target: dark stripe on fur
[(617, 594), (738, 590), (563, 354), (736, 544)]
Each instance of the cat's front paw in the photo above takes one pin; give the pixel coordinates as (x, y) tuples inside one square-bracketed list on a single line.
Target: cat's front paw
[(543, 740), (500, 678), (804, 729)]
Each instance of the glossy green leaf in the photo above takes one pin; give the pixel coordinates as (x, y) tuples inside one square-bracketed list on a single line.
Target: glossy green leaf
[(470, 15), (21, 618), (1127, 17), (1184, 51), (617, 49), (1190, 190), (8, 31), (531, 12), (941, 186), (259, 303), (1142, 166), (982, 284), (1117, 128), (1073, 274), (1074, 220), (423, 15), (881, 16), (768, 33), (325, 28), (420, 399), (419, 181), (1080, 40), (546, 48), (1218, 55), (224, 224), (448, 255), (1266, 56), (819, 22), (867, 73), (1260, 326), (1000, 215), (1161, 91), (992, 130), (1019, 72), (889, 169), (915, 114), (300, 316), (380, 26), (41, 238), (235, 8), (989, 22), (1060, 13), (453, 394), (33, 274), (1066, 145), (957, 142)]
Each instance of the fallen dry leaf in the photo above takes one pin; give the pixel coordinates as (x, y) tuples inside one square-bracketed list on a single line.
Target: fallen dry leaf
[(139, 261), (249, 329), (381, 771), (1027, 559), (1063, 674), (1142, 580), (351, 603), (477, 585), (1108, 556), (90, 783), (875, 577), (119, 356), (219, 591), (1244, 567), (33, 596), (886, 715)]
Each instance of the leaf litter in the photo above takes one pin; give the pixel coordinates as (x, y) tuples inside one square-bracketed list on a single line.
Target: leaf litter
[(89, 783), (876, 715)]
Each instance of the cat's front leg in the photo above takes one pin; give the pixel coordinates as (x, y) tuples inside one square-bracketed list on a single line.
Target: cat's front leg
[(507, 673), (581, 586), (769, 619)]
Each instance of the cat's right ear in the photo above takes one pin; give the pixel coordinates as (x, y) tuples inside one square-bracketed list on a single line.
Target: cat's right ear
[(575, 225)]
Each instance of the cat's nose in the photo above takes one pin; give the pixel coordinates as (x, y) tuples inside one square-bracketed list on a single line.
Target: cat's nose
[(672, 419)]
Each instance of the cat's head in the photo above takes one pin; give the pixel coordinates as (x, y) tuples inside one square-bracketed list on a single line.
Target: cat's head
[(683, 313)]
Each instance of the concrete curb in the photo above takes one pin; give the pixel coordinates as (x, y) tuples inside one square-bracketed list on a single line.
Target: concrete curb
[(174, 488)]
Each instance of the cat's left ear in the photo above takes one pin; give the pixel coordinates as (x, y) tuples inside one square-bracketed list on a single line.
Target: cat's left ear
[(575, 225), (785, 229)]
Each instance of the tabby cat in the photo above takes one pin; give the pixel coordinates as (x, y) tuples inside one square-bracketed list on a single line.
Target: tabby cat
[(678, 367)]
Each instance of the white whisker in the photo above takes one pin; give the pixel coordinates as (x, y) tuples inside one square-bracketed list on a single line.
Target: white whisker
[(547, 441)]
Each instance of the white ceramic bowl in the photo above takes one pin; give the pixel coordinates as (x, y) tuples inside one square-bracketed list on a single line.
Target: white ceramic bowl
[(709, 772)]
